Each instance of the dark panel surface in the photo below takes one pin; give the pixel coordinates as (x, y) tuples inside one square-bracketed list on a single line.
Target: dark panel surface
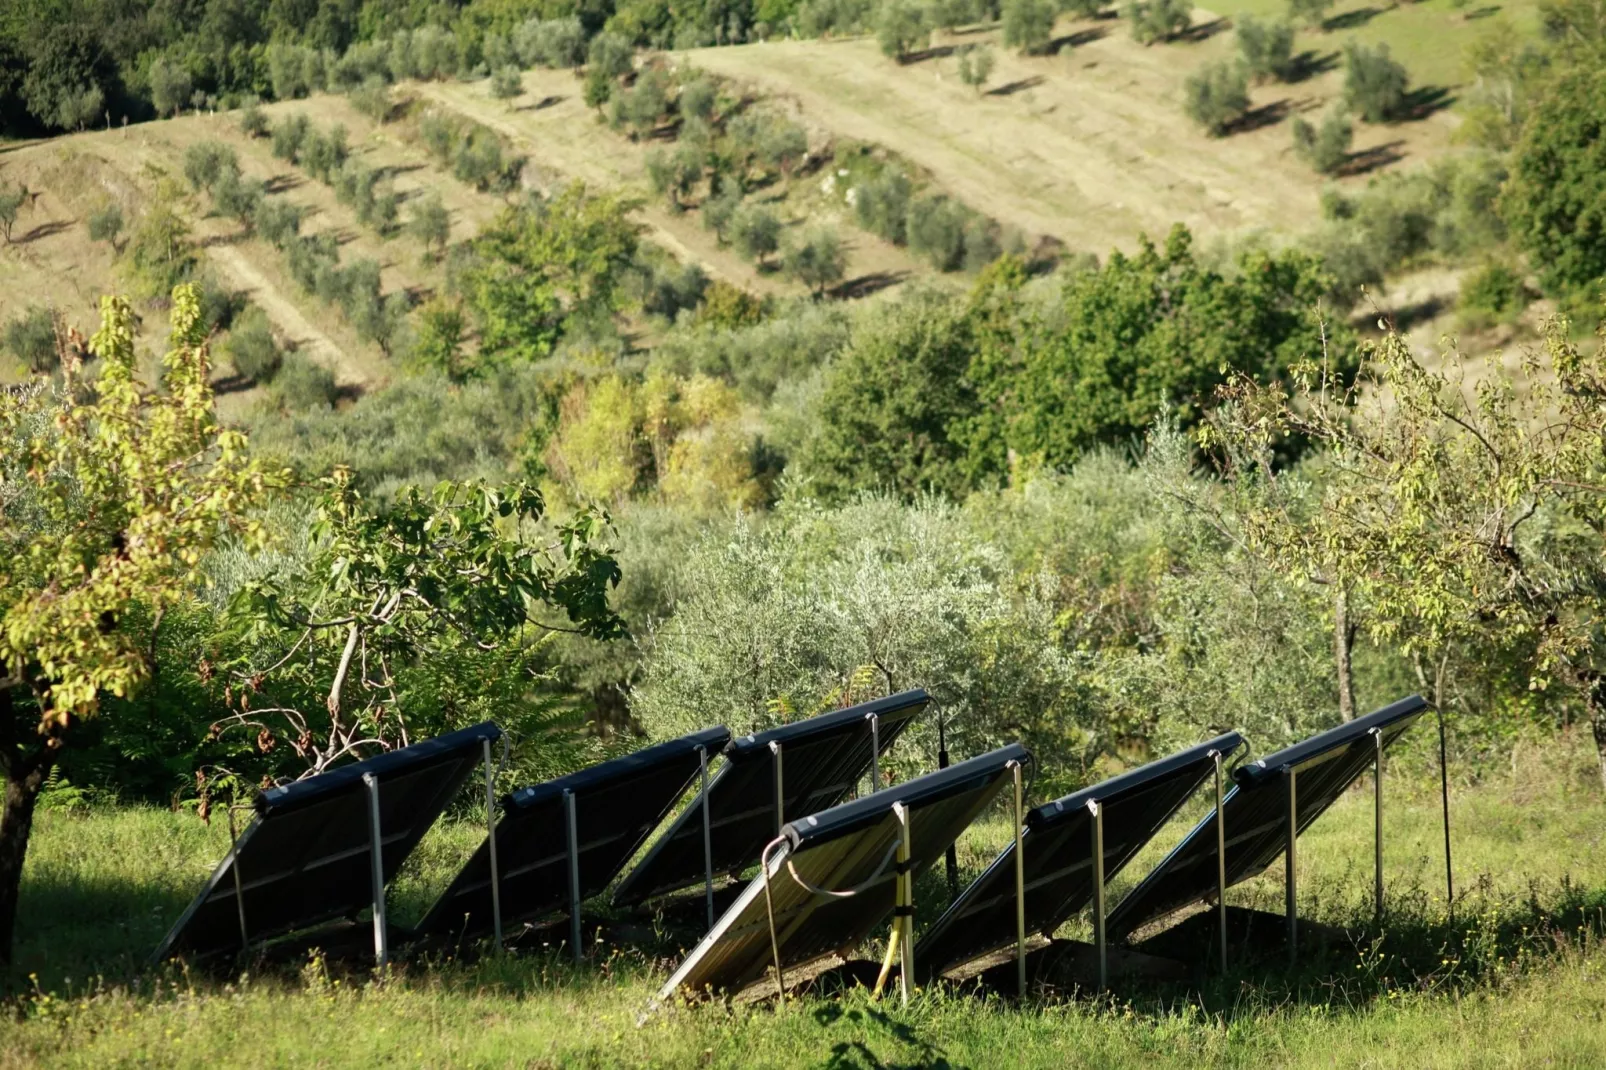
[(1255, 814), (617, 805), (304, 859), (822, 758), (845, 847), (1057, 849)]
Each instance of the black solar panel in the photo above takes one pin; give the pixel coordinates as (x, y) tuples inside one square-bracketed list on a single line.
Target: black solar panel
[(617, 805), (844, 847), (1255, 814), (822, 758), (1058, 857), (304, 859)]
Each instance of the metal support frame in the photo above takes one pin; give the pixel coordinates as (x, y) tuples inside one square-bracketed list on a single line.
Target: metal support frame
[(875, 752), (780, 791), (574, 871), (490, 841), (708, 840), (1020, 885), (1100, 940), (1377, 820), (1221, 862), (1291, 866), (376, 847), (951, 856), (905, 901), (1444, 797), (239, 884)]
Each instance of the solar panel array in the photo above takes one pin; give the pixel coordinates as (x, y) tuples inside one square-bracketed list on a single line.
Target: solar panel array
[(1057, 852), (306, 858), (617, 805), (1255, 814), (822, 759), (846, 847)]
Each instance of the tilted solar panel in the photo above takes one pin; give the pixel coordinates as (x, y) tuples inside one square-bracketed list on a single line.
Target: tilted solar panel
[(1255, 814), (1057, 849), (305, 858), (617, 804), (847, 847), (821, 759)]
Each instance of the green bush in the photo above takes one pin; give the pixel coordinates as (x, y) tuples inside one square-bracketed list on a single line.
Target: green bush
[(106, 224), (1313, 13), (430, 224), (1153, 21), (643, 106), (252, 348), (303, 383), (936, 231), (289, 135), (253, 121), (481, 161), (278, 222), (1029, 24), (816, 259), (439, 135), (975, 65), (372, 98), (881, 205), (1216, 96), (324, 153), (206, 161), (1267, 48), (30, 336), (237, 197), (755, 232), (1493, 293), (698, 98), (1374, 84), (506, 83), (550, 42), (1325, 147), (720, 208), (901, 28)]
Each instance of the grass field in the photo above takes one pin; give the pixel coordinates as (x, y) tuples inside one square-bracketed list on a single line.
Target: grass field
[(1514, 978)]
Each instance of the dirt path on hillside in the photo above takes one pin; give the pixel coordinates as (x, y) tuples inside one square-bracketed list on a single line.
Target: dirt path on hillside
[(283, 313)]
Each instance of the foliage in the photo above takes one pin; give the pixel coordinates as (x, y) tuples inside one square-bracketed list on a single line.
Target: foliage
[(160, 253), (430, 224), (1555, 199), (642, 106), (506, 83), (1029, 25), (303, 383), (975, 66), (1216, 96), (113, 503), (1267, 48), (12, 199), (1324, 147), (901, 28), (170, 86), (816, 259), (252, 348), (441, 332), (30, 336), (206, 161), (1493, 292), (372, 99), (288, 136), (1312, 13), (1154, 21), (1374, 83), (466, 567), (755, 232), (558, 42), (253, 121), (106, 224)]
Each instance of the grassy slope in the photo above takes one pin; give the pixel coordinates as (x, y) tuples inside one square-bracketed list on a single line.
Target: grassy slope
[(101, 888)]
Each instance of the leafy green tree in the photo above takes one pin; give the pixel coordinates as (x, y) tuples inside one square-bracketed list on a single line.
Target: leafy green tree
[(1154, 21), (442, 331), (1324, 147), (372, 98), (881, 205), (1509, 71), (252, 349), (901, 28), (1494, 292), (289, 135), (1029, 24), (1311, 13), (160, 253), (975, 66), (170, 86), (1374, 83), (467, 566), (817, 259), (755, 232), (253, 120), (1555, 199), (506, 83), (1267, 48), (890, 403), (302, 383), (116, 501), (1216, 96), (12, 200), (31, 338), (431, 224), (673, 174)]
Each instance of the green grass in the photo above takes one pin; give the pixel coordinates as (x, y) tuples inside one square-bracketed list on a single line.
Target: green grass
[(1430, 38), (1514, 978)]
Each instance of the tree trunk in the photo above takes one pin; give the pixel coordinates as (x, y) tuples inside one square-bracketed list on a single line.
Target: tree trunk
[(1343, 646), (23, 785), (1597, 724)]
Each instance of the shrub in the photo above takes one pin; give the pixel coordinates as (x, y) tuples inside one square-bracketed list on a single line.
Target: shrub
[(782, 145), (372, 98), (253, 121), (1029, 24), (170, 86), (30, 336), (1374, 84), (289, 136), (303, 383), (901, 28), (1312, 13), (107, 225), (206, 161), (673, 173), (237, 197), (698, 99), (479, 161), (881, 205), (816, 260), (278, 222), (975, 66), (506, 83), (1216, 96), (550, 43), (720, 209), (430, 224), (1326, 148), (936, 230), (755, 232), (324, 153), (438, 342), (1492, 293), (643, 105), (1152, 21), (610, 54), (252, 348), (439, 135), (12, 199), (1267, 48)]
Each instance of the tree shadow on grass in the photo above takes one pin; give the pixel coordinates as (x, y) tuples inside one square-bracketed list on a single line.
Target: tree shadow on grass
[(1020, 85), (1203, 31), (1481, 13), (935, 52), (1261, 117), (43, 230), (1367, 160), (1424, 101), (283, 182), (865, 285), (1078, 39), (1309, 63), (1350, 20)]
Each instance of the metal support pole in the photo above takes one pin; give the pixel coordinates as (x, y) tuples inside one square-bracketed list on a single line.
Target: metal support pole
[(780, 794), (1020, 886), (376, 848), (1444, 798), (875, 752), (239, 885), (1099, 941), (1377, 820), (708, 841), (1221, 863), (574, 871), (1291, 867), (490, 842), (951, 857), (905, 901)]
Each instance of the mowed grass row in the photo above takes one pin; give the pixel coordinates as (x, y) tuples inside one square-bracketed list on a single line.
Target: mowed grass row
[(1513, 978)]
